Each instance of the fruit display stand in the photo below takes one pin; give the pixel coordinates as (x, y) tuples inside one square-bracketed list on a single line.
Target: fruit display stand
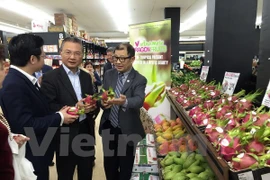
[(218, 165)]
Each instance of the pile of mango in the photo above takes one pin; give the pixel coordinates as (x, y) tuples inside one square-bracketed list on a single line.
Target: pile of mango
[(186, 166), (167, 130)]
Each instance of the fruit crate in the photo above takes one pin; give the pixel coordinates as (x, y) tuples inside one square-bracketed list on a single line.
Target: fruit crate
[(218, 164)]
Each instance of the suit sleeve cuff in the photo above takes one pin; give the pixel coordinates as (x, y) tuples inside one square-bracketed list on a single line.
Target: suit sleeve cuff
[(124, 106), (62, 118)]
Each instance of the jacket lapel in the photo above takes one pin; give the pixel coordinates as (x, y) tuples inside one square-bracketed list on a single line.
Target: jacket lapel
[(114, 79), (66, 83), (84, 84), (129, 80), (30, 85)]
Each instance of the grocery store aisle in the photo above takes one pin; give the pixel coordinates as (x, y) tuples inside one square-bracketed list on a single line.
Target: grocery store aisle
[(98, 171)]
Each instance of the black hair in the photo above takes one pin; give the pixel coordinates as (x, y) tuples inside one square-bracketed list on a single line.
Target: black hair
[(87, 63), (73, 40), (130, 49), (22, 47)]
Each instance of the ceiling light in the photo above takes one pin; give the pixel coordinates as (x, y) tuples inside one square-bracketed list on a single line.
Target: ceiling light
[(259, 20), (197, 18), (119, 12), (116, 40), (13, 29), (25, 10)]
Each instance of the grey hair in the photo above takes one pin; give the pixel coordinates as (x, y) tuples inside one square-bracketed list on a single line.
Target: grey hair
[(110, 49)]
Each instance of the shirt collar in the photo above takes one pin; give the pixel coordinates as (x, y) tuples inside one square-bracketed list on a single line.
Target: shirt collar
[(28, 76), (126, 73), (68, 71)]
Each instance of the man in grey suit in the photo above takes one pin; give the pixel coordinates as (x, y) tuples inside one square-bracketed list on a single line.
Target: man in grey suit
[(120, 127)]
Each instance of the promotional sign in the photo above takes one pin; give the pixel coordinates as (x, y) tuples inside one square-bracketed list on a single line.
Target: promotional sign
[(229, 82), (152, 43), (266, 99), (39, 26), (50, 48), (204, 73)]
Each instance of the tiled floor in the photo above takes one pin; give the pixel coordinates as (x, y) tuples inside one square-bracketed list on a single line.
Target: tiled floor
[(98, 172)]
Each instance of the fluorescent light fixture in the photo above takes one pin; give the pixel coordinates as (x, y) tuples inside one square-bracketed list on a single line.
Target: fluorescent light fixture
[(13, 29), (197, 18), (119, 12), (259, 20), (117, 40), (25, 10)]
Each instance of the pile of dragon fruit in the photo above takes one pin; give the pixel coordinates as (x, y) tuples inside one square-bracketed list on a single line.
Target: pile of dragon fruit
[(239, 132), (196, 92)]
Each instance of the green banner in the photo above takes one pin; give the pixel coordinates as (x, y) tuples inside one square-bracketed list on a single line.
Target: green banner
[(152, 43)]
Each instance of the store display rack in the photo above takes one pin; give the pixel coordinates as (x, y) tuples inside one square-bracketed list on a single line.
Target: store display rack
[(218, 165)]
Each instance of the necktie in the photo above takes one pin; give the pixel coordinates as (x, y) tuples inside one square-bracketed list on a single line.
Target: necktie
[(115, 108)]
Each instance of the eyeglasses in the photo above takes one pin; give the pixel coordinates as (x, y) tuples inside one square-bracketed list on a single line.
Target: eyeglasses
[(121, 59), (76, 54)]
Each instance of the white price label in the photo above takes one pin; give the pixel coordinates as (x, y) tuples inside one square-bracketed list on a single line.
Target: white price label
[(266, 176), (246, 176)]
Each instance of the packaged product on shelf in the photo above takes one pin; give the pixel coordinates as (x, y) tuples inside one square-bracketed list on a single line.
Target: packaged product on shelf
[(144, 176), (149, 140), (146, 160)]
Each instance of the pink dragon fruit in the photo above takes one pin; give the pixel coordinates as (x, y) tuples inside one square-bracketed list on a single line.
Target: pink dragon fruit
[(245, 161)]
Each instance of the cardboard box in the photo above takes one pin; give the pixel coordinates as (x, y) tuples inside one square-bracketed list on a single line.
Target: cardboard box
[(149, 141), (56, 29), (60, 19), (145, 160), (144, 176)]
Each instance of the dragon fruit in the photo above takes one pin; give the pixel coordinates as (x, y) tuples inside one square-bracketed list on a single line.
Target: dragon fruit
[(245, 161), (208, 104), (245, 104), (107, 95), (230, 145), (91, 99), (255, 147)]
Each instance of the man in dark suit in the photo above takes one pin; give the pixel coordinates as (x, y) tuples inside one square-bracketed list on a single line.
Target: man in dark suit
[(109, 64), (25, 106), (120, 127), (69, 85)]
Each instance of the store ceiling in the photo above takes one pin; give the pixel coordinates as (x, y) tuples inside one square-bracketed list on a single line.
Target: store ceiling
[(93, 17)]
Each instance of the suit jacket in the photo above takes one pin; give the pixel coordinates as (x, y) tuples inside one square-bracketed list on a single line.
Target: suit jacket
[(107, 67), (45, 68), (134, 90), (59, 92), (25, 106)]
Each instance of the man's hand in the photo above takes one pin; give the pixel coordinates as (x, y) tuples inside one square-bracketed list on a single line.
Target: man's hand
[(87, 108), (118, 101), (105, 104), (20, 139), (68, 119)]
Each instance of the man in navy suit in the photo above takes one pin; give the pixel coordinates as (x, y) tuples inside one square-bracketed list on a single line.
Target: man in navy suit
[(25, 106)]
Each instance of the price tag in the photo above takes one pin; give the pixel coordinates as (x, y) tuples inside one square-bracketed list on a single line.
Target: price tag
[(266, 176), (246, 176)]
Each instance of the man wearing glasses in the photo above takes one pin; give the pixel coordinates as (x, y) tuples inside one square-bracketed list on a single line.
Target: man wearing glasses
[(120, 127), (68, 85), (25, 106)]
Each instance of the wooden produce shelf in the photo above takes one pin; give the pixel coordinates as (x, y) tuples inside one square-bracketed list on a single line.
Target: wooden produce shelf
[(218, 165)]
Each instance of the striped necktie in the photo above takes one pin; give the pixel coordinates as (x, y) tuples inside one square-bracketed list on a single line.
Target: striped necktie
[(115, 108)]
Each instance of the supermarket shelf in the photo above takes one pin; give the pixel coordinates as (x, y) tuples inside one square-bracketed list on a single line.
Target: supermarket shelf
[(218, 165)]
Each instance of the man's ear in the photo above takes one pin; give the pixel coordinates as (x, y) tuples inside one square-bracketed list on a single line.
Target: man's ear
[(133, 59), (33, 59)]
